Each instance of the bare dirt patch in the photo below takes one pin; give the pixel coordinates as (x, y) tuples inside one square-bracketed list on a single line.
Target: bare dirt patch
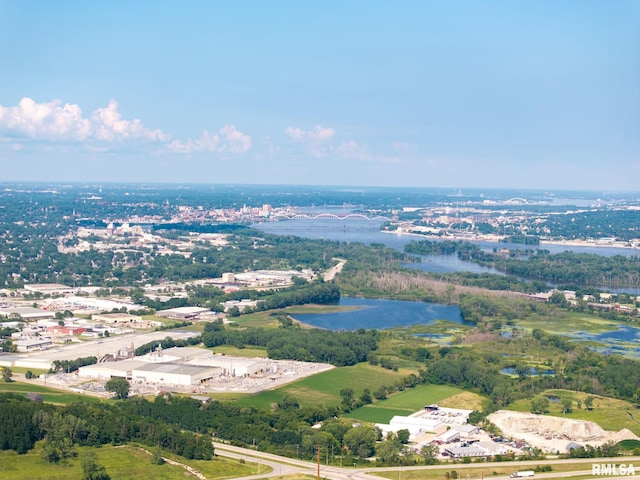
[(554, 433)]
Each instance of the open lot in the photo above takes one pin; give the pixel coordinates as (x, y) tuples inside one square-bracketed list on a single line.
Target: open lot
[(121, 462), (404, 403), (324, 388)]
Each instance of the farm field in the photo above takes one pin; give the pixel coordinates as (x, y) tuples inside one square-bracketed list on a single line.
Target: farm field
[(404, 403), (121, 462), (609, 413), (324, 388)]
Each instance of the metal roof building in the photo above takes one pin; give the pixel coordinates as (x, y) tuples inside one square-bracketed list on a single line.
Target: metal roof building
[(174, 374)]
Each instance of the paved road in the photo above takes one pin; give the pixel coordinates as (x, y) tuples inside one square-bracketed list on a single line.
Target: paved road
[(284, 466), (333, 271)]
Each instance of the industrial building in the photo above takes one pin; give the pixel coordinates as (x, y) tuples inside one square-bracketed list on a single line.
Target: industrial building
[(106, 370), (26, 313), (178, 366), (174, 374)]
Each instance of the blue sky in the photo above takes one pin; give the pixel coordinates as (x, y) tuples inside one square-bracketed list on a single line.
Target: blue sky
[(527, 94)]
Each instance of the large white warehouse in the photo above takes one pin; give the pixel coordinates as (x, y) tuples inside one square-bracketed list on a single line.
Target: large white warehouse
[(174, 374)]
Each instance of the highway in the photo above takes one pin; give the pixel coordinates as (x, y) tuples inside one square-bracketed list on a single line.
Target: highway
[(286, 466)]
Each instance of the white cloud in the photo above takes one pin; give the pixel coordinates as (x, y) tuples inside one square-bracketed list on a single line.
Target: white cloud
[(57, 122), (316, 140), (54, 122), (228, 139), (50, 120), (109, 126), (316, 134), (353, 150)]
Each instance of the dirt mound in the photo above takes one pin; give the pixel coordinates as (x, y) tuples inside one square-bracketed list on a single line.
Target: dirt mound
[(624, 434), (554, 433)]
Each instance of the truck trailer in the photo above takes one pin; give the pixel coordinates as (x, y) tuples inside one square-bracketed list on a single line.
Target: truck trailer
[(522, 474)]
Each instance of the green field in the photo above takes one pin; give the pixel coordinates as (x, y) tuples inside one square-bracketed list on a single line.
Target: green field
[(49, 395), (609, 413), (121, 463), (477, 472), (404, 403), (251, 352), (570, 322), (324, 388)]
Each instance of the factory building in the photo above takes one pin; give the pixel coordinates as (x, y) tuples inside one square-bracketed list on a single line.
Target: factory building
[(174, 374)]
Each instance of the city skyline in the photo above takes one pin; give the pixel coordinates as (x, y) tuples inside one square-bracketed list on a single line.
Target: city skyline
[(420, 94)]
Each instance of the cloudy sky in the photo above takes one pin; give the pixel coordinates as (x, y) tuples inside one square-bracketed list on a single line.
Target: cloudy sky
[(526, 94)]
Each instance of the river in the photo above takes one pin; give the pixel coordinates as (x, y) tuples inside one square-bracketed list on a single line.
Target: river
[(368, 232), (383, 314)]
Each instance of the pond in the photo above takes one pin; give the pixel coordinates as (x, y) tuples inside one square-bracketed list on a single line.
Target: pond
[(532, 372), (381, 314)]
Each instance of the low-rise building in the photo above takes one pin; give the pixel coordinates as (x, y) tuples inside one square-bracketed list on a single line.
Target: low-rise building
[(116, 318), (26, 313), (33, 344), (468, 451), (174, 374)]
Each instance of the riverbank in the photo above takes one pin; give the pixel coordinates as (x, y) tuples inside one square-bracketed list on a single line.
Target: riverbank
[(492, 238)]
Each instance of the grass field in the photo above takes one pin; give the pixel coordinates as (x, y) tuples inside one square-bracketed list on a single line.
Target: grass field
[(324, 388), (479, 471), (121, 463), (241, 352), (49, 395), (609, 413), (570, 322), (404, 403)]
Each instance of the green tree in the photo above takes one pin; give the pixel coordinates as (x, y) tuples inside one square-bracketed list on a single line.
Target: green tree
[(156, 456), (588, 402), (347, 397), (59, 433), (360, 441), (522, 370), (430, 454), (118, 385), (566, 405), (539, 405), (388, 452), (91, 469), (403, 436), (366, 398), (7, 373)]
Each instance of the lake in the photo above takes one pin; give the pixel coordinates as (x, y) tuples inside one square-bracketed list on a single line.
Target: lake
[(381, 314)]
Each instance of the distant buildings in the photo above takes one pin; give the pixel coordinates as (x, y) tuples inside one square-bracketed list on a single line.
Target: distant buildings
[(183, 367)]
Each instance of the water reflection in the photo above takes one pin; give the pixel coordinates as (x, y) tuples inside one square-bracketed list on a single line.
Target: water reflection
[(381, 314)]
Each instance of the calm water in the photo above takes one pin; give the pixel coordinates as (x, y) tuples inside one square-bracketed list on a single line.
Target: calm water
[(624, 340), (389, 313), (368, 232), (382, 314), (532, 371)]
